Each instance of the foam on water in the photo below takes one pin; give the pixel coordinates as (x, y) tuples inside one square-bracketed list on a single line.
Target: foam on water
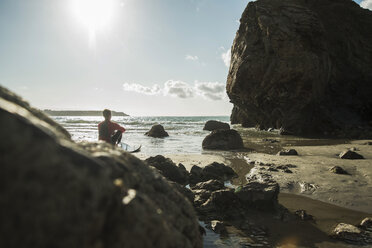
[(185, 133)]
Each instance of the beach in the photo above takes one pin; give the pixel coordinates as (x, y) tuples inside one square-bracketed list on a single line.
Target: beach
[(331, 199)]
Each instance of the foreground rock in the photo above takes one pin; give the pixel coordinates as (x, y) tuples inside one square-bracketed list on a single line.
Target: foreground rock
[(350, 155), (215, 125), (339, 170), (223, 140), (157, 131), (293, 66), (169, 169), (55, 193)]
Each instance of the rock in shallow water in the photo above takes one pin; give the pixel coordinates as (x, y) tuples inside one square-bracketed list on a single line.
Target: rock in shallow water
[(56, 193), (294, 66), (157, 131), (223, 140)]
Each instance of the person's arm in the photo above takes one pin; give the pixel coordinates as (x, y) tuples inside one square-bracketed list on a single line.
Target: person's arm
[(120, 128)]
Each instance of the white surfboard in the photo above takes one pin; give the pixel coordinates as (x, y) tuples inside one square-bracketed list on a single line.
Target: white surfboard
[(129, 148)]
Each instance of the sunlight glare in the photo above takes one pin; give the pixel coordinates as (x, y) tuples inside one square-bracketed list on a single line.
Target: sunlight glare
[(94, 15)]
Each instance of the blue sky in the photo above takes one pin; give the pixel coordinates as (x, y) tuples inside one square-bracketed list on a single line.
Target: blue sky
[(158, 57)]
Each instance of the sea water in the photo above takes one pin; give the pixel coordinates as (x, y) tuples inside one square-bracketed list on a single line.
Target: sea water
[(186, 134)]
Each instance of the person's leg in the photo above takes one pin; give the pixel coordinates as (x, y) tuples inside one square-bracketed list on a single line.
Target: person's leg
[(116, 138)]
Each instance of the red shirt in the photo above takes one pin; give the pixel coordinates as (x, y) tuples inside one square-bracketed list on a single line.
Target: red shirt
[(105, 134)]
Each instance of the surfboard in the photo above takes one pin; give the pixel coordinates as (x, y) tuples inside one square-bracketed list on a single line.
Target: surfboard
[(129, 148)]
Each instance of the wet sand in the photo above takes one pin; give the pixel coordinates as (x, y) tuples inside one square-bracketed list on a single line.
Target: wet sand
[(336, 198)]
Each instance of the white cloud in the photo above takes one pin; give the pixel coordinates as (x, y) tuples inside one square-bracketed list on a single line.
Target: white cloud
[(211, 90), (178, 89), (226, 57), (154, 90), (366, 4), (192, 58)]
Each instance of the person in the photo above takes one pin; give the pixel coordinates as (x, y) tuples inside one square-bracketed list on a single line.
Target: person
[(109, 131)]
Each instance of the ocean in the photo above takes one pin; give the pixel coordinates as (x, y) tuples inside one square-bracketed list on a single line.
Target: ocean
[(185, 132)]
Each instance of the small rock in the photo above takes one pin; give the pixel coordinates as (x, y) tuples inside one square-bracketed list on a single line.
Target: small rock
[(211, 185), (369, 143), (282, 131), (272, 169), (303, 215), (214, 125), (350, 155), (157, 131), (366, 223), (348, 233), (339, 170), (287, 171), (290, 152)]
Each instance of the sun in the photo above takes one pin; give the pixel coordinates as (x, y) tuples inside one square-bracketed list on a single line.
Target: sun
[(94, 15)]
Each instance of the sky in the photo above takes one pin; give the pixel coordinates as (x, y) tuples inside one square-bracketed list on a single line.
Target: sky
[(141, 57)]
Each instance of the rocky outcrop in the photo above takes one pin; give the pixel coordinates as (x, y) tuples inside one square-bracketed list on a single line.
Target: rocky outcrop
[(56, 193), (157, 131), (351, 234), (169, 169), (223, 140), (215, 125), (303, 66)]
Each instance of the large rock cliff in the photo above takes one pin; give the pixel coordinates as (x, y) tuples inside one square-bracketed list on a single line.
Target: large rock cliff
[(56, 193), (303, 65)]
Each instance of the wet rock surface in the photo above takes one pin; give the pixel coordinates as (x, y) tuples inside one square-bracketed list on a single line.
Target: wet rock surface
[(216, 171), (157, 131), (56, 193), (215, 125), (223, 140), (350, 155), (294, 66), (169, 169)]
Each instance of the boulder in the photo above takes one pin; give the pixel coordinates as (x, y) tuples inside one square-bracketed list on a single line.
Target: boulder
[(215, 171), (215, 125), (259, 195), (289, 152), (349, 233), (223, 140), (157, 131), (294, 66), (338, 170), (56, 193), (169, 169), (350, 155)]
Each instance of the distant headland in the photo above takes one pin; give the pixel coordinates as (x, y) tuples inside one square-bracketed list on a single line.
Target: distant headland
[(80, 113)]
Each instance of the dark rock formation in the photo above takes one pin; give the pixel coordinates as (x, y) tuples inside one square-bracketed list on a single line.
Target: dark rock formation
[(304, 66), (211, 185), (157, 131), (223, 140), (338, 170), (259, 195), (289, 152), (169, 169), (215, 171), (56, 193), (350, 155), (215, 125)]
